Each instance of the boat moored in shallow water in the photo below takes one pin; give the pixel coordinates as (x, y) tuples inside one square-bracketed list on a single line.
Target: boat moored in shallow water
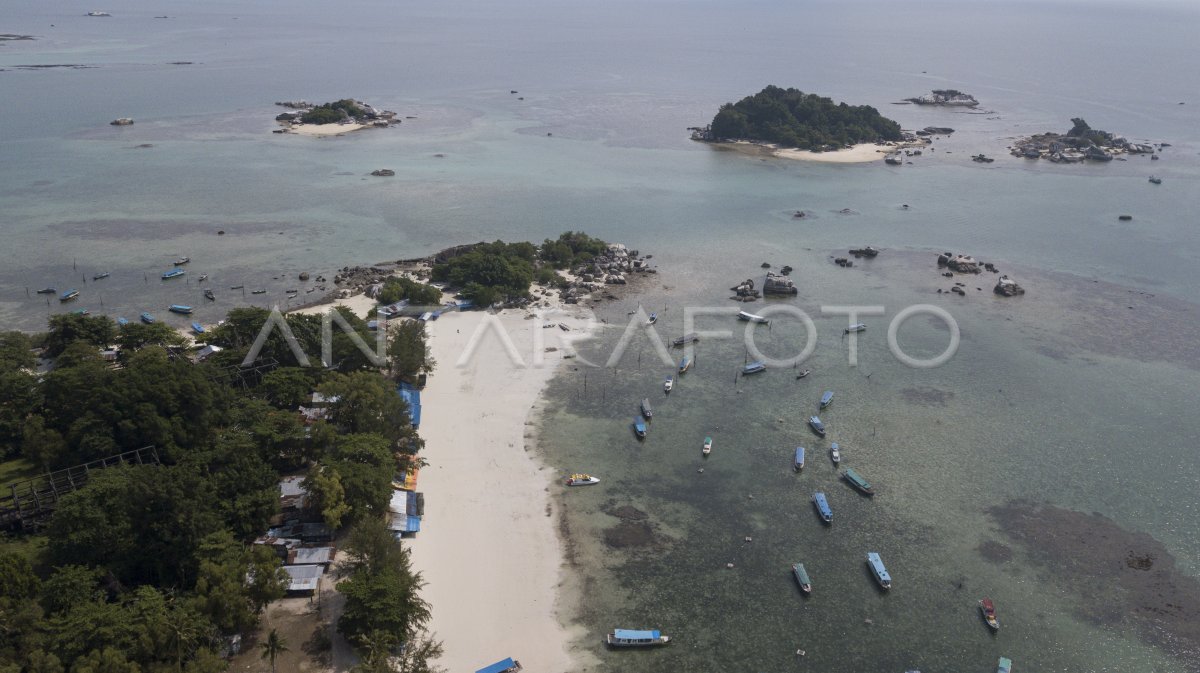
[(147, 318), (988, 610), (1005, 665), (121, 322), (580, 479), (668, 384), (822, 505), (835, 453), (750, 317), (653, 319), (47, 290), (707, 446), (173, 273), (857, 327), (690, 337), (877, 569), (179, 308), (827, 399), (856, 480), (632, 638), (685, 364), (639, 428), (197, 328), (646, 410), (802, 577), (68, 295), (208, 294), (754, 367), (101, 276), (798, 460), (817, 426)]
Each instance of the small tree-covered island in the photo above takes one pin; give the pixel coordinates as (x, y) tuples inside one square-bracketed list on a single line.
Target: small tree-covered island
[(792, 118), (326, 118)]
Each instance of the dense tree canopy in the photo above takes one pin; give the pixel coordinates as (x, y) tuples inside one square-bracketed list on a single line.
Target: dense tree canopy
[(396, 288), (795, 119)]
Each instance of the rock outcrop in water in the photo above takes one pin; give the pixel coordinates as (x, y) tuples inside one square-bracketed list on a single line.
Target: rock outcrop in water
[(1081, 143), (1007, 287), (945, 97)]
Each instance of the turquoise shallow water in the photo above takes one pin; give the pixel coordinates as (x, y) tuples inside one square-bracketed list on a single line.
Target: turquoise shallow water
[(1065, 396)]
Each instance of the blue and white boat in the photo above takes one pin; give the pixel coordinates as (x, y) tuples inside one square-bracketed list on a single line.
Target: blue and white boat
[(182, 260), (68, 295), (798, 461), (881, 574), (754, 368), (47, 290), (653, 319), (856, 327), (179, 308), (639, 427), (835, 453), (826, 399), (750, 317), (121, 322), (173, 273), (685, 364), (197, 328), (668, 384), (632, 638), (508, 665), (822, 505), (100, 276), (147, 318), (817, 426), (802, 577)]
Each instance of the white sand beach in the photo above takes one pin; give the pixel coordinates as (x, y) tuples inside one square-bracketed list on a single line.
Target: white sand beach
[(319, 130), (859, 154)]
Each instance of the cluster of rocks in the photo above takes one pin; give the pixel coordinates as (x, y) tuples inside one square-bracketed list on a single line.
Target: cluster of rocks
[(945, 97), (295, 104), (359, 278), (1081, 143), (383, 173), (779, 284), (371, 115), (745, 291), (935, 131), (1005, 286), (122, 121), (614, 267), (868, 252)]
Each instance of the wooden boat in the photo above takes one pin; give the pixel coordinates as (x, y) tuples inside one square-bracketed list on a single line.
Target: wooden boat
[(47, 290), (750, 317), (203, 277), (803, 374), (822, 505), (258, 291), (580, 479), (639, 428), (857, 327), (237, 287), (208, 294), (988, 610), (179, 308), (827, 399), (100, 276), (798, 460), (685, 364), (197, 328), (881, 574), (147, 318), (893, 159), (754, 368), (173, 273), (668, 384), (690, 337), (508, 665), (632, 638), (79, 311), (182, 260), (802, 577), (856, 480), (707, 446), (817, 426), (1005, 665), (68, 295), (834, 453), (646, 410), (653, 319), (563, 327)]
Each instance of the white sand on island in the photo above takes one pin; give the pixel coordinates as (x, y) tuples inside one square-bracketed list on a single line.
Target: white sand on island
[(489, 549), (324, 129), (359, 304), (858, 154)]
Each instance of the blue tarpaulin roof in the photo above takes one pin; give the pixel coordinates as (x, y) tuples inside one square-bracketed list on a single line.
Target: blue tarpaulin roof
[(499, 666), (636, 635), (412, 397)]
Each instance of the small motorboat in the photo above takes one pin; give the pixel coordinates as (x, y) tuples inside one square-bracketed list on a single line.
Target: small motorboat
[(857, 481), (802, 577), (690, 337), (203, 277), (668, 384), (100, 276), (857, 327), (580, 479), (237, 287), (563, 327), (197, 328), (803, 374), (47, 290), (646, 410), (988, 610), (798, 461), (208, 294), (817, 426), (639, 428), (182, 260), (685, 364), (750, 317), (1005, 665), (878, 570), (653, 319), (754, 368), (68, 295), (631, 638), (173, 273), (147, 318), (707, 446), (79, 311), (121, 322), (822, 505), (827, 399), (835, 454), (179, 308)]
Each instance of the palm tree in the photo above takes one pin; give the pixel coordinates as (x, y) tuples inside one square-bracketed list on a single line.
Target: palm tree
[(273, 646)]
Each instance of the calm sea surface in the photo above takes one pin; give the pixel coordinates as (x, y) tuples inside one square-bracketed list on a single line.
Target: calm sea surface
[(1079, 395)]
